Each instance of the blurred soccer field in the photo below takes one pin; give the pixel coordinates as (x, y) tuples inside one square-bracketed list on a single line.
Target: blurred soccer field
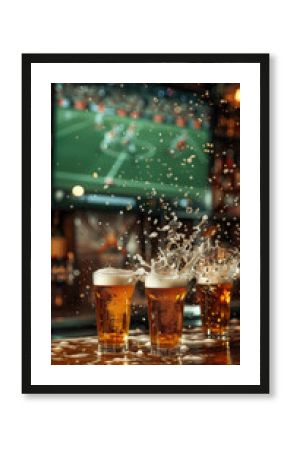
[(119, 155)]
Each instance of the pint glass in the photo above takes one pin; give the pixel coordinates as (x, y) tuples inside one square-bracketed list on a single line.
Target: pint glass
[(214, 298), (113, 289), (214, 284), (165, 295)]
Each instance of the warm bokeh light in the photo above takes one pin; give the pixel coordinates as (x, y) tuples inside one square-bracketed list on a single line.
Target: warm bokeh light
[(237, 95), (78, 191)]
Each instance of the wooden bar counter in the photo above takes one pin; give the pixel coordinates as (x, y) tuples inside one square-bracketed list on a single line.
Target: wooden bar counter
[(196, 348)]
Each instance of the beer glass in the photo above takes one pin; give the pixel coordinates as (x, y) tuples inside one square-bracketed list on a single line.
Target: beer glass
[(113, 289), (215, 273), (214, 284), (165, 295), (214, 298)]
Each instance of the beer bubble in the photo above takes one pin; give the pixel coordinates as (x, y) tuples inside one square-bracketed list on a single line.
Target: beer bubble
[(184, 348)]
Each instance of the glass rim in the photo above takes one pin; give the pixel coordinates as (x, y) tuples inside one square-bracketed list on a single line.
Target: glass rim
[(115, 270), (112, 276), (166, 281), (170, 276)]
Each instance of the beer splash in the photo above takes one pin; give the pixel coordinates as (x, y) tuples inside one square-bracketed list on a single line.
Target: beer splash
[(218, 264), (180, 253), (196, 256)]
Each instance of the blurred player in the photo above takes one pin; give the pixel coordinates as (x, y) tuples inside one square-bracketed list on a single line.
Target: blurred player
[(129, 137), (179, 143), (99, 117), (111, 137)]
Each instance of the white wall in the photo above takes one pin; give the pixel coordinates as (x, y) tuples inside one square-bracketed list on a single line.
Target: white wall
[(76, 422)]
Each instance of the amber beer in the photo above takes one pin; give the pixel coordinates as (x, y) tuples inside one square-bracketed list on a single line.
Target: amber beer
[(113, 290), (214, 299), (165, 297)]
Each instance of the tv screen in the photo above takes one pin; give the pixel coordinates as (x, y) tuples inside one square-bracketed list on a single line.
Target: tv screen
[(131, 140)]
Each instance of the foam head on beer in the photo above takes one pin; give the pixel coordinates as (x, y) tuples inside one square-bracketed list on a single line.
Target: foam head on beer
[(215, 273), (212, 275), (155, 280), (110, 276)]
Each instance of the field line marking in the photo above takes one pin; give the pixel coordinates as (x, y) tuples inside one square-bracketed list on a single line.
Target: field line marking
[(72, 129), (117, 164), (72, 177)]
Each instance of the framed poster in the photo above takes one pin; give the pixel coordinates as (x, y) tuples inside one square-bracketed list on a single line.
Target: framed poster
[(145, 223)]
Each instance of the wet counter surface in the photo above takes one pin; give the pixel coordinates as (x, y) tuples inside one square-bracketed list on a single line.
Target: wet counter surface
[(196, 348)]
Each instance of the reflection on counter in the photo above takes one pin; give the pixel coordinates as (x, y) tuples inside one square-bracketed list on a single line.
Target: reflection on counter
[(196, 348)]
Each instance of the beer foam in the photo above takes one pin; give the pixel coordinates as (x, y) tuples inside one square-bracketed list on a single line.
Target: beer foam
[(213, 275), (156, 280), (180, 254), (113, 277)]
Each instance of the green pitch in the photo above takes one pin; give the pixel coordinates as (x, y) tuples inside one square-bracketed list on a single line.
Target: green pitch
[(118, 155)]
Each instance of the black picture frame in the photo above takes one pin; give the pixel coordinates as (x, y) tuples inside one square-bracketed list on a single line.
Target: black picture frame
[(263, 61)]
